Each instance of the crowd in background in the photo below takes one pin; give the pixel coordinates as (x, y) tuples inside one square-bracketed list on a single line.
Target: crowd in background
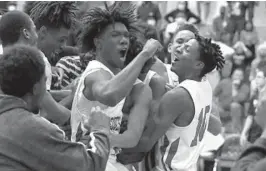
[(236, 87), (239, 83)]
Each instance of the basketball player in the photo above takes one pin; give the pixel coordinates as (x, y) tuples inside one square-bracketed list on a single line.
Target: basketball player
[(103, 83), (16, 27), (184, 112)]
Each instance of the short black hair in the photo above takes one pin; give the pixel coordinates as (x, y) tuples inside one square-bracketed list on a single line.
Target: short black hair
[(21, 67), (11, 25), (262, 67), (53, 14), (210, 55), (96, 19)]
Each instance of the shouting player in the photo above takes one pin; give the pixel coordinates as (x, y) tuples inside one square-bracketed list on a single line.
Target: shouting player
[(184, 112), (103, 83)]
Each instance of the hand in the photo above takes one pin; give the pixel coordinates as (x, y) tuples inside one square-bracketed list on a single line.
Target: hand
[(169, 87), (151, 47), (97, 120), (243, 139), (59, 73)]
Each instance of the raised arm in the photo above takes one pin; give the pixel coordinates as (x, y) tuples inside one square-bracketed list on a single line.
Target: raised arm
[(137, 118), (111, 91), (54, 111)]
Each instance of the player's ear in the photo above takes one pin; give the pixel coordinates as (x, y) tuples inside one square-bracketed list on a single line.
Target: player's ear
[(97, 43), (200, 65), (26, 33), (170, 47)]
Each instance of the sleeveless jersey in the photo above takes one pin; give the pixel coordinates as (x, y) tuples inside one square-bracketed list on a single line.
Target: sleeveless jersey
[(82, 106), (173, 78), (148, 77), (180, 147)]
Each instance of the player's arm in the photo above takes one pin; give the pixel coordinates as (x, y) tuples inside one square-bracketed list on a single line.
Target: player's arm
[(173, 104), (111, 91), (59, 95), (215, 124), (137, 118), (55, 112)]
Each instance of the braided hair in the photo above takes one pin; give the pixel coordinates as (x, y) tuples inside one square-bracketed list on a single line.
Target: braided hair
[(210, 54), (53, 14), (96, 19), (28, 7)]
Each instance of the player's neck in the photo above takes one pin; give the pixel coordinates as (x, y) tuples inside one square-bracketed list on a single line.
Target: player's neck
[(189, 77), (103, 61)]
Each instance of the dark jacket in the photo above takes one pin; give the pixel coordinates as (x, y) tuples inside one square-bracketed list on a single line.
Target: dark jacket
[(29, 142), (253, 158)]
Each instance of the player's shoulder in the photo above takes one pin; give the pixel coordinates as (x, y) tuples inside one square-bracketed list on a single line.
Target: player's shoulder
[(98, 75), (177, 98)]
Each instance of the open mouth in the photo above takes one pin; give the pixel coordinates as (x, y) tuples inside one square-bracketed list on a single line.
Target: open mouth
[(123, 53)]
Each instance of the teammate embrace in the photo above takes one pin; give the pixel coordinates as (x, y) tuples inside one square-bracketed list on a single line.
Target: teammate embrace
[(165, 109), (172, 124)]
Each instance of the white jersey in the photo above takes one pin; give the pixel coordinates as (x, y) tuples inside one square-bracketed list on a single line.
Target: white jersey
[(180, 147), (148, 77), (82, 106), (172, 77)]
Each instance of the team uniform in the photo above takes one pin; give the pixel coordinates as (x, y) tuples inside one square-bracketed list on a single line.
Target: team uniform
[(82, 106), (149, 158), (180, 147), (172, 77)]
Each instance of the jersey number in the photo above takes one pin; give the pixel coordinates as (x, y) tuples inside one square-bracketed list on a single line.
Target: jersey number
[(201, 127)]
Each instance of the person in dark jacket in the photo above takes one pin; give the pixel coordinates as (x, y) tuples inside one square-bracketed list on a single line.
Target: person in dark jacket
[(29, 141), (182, 11)]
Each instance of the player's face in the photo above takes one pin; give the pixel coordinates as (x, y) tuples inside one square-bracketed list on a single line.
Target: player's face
[(114, 43), (180, 38), (186, 58), (52, 40)]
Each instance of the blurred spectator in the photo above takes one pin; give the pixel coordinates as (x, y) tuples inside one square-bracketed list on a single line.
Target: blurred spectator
[(261, 56), (182, 11), (220, 26), (149, 13), (250, 39), (251, 130), (237, 11), (254, 157), (205, 5), (242, 53), (250, 5), (231, 94)]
